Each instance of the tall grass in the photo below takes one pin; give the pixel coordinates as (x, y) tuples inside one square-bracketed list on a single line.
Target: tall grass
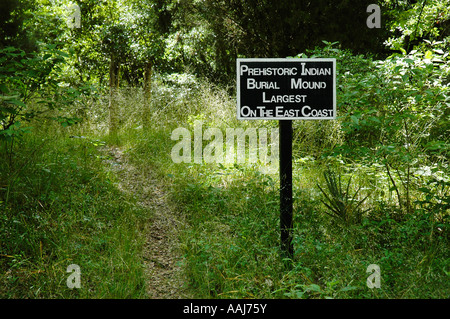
[(59, 206), (231, 244)]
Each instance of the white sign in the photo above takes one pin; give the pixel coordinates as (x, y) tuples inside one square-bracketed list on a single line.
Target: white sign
[(286, 89)]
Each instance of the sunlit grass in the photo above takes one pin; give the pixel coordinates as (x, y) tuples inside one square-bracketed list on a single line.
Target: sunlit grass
[(64, 207), (231, 245)]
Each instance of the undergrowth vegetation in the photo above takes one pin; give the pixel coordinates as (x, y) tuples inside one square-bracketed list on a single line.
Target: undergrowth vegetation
[(60, 206), (369, 188)]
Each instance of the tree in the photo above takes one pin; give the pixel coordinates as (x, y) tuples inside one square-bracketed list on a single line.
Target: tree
[(415, 21), (152, 22), (14, 30), (266, 28), (116, 44)]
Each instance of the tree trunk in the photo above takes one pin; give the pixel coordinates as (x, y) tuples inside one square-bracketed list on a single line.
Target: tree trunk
[(147, 95), (114, 68)]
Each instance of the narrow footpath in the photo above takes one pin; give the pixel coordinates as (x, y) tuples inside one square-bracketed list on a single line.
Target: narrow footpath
[(161, 254)]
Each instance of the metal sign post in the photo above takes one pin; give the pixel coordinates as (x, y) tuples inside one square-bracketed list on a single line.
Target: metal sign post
[(286, 90), (286, 201)]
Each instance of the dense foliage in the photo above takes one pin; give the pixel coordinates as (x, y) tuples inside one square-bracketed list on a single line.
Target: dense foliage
[(372, 187)]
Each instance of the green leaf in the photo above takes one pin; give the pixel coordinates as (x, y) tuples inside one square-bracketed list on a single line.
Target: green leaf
[(425, 190), (374, 119), (393, 188), (397, 68), (428, 55), (313, 287), (348, 288), (17, 102), (3, 88), (355, 119)]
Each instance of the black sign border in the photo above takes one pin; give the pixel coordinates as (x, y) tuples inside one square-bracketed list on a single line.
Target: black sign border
[(294, 60)]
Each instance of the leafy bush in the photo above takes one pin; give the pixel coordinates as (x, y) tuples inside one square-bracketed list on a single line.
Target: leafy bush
[(29, 88)]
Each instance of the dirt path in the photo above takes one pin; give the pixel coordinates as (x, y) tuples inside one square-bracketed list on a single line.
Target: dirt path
[(161, 253)]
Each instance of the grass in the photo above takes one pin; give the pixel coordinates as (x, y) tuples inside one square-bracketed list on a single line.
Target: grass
[(231, 246), (59, 206)]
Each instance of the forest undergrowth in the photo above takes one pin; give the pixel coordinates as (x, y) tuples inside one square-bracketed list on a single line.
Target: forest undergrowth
[(371, 187)]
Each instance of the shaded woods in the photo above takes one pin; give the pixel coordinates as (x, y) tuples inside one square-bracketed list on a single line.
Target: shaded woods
[(371, 187)]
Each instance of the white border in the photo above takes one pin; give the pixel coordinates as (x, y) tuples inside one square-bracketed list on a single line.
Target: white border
[(238, 86)]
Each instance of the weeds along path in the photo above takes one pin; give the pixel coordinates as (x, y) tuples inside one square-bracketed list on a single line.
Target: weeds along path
[(164, 275)]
